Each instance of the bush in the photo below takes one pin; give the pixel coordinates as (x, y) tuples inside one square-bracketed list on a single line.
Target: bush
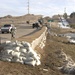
[(72, 25)]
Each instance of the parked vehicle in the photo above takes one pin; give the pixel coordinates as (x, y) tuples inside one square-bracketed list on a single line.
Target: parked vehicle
[(35, 25), (7, 28)]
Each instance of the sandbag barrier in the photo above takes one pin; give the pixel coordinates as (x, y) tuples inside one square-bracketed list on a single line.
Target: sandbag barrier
[(40, 40), (68, 66), (21, 52)]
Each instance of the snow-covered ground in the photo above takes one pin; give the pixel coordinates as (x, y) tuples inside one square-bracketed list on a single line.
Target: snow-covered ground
[(63, 24)]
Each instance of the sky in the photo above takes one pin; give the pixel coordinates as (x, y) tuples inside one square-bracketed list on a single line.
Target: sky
[(37, 7)]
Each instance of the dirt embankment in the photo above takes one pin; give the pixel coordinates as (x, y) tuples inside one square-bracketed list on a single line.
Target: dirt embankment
[(48, 66), (49, 58)]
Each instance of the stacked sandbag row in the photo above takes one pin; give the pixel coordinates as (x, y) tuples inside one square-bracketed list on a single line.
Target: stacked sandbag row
[(68, 64), (43, 41), (40, 41), (20, 52)]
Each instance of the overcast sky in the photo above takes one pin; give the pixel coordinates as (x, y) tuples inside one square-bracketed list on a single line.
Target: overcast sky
[(37, 7)]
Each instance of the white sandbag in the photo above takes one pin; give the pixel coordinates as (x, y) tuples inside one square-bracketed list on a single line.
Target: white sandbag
[(29, 59), (23, 54), (13, 44), (24, 58), (32, 51), (19, 44), (6, 52), (38, 62), (68, 37), (7, 42), (72, 41), (44, 38), (15, 54), (29, 54), (17, 60), (7, 56), (21, 62), (30, 62), (26, 44), (6, 59), (16, 48), (8, 47), (37, 56), (23, 50)]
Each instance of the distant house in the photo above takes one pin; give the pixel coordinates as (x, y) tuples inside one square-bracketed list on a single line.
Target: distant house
[(8, 16), (55, 18)]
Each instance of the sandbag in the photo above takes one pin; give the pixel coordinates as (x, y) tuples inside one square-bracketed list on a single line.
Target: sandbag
[(23, 54), (7, 56), (19, 60), (6, 59), (15, 54), (15, 59), (7, 52), (24, 58), (7, 42), (30, 62), (29, 54), (26, 44), (16, 48), (32, 51), (23, 50), (29, 59), (38, 62), (37, 57)]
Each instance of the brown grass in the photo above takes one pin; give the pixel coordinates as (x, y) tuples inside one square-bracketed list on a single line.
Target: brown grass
[(49, 58)]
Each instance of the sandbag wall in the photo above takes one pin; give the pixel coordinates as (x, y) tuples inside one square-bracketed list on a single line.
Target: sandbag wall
[(20, 52), (23, 52), (40, 40)]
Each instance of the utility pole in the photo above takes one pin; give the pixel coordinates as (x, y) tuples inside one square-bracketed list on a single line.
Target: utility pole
[(64, 10), (28, 7)]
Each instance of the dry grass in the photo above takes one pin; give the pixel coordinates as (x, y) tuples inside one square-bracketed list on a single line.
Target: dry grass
[(49, 58)]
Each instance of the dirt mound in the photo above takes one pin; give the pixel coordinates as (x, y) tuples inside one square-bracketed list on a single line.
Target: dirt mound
[(16, 20)]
